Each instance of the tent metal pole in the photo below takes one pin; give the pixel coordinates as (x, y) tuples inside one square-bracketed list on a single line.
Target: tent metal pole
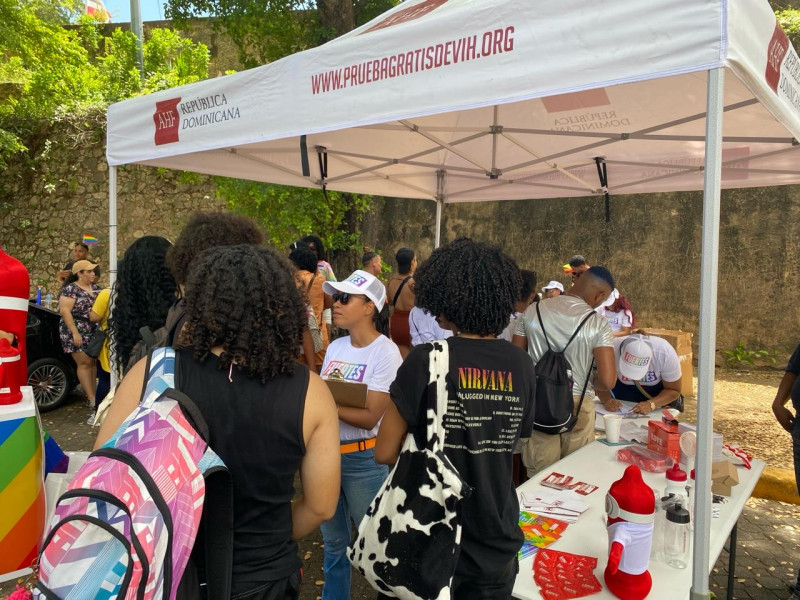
[(708, 334), (112, 244), (440, 175)]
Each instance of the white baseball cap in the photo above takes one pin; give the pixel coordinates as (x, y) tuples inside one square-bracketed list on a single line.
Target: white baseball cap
[(554, 285), (635, 356), (359, 282), (612, 297)]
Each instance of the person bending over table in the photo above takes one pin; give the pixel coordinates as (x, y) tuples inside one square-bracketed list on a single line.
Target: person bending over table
[(648, 373)]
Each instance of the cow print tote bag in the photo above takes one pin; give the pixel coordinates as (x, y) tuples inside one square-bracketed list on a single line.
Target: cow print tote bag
[(408, 542)]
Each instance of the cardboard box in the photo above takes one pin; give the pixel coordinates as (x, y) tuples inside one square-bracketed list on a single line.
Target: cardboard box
[(723, 477), (664, 438), (681, 341), (716, 443)]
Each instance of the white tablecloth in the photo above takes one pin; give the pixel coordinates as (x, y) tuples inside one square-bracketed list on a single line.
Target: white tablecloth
[(597, 464)]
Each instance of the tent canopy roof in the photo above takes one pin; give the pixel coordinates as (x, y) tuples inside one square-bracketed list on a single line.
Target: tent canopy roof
[(460, 100)]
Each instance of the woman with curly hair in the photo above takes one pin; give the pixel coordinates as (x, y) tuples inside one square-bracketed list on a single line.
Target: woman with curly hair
[(143, 294), (365, 356), (619, 312), (490, 389), (268, 416)]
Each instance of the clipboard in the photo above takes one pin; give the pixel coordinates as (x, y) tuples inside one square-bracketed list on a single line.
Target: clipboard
[(347, 393)]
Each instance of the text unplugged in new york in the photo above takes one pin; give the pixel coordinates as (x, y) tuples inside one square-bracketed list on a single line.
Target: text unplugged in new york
[(435, 56)]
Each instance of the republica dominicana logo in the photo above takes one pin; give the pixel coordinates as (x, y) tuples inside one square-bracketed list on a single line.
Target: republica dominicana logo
[(174, 115)]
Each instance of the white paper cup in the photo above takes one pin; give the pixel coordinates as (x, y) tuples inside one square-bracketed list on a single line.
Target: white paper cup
[(613, 424)]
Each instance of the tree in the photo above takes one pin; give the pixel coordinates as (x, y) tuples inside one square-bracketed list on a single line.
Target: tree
[(266, 30), (48, 70), (289, 213)]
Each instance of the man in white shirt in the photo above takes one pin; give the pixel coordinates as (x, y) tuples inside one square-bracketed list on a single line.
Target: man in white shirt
[(561, 316), (648, 373)]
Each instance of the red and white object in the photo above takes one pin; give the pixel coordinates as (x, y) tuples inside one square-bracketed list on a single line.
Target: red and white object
[(97, 9), (631, 507), (14, 290), (10, 392)]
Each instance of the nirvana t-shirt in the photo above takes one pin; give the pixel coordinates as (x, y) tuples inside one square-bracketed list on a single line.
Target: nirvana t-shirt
[(490, 405), (375, 365)]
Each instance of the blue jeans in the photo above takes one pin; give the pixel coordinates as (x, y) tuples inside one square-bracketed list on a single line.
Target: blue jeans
[(362, 477)]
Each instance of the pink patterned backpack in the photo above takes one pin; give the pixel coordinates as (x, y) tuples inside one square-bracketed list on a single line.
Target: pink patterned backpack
[(127, 524)]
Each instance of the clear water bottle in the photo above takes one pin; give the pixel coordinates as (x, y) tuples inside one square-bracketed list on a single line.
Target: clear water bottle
[(48, 301), (677, 537)]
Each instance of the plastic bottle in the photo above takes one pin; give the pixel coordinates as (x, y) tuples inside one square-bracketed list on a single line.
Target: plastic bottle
[(676, 482), (39, 295), (677, 537), (659, 519), (48, 301)]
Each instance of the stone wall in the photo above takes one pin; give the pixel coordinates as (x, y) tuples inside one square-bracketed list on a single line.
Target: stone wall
[(651, 245), (49, 202)]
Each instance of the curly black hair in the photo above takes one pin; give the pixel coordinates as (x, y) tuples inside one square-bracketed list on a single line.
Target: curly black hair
[(473, 285), (304, 258), (250, 307), (209, 230), (316, 245), (144, 291)]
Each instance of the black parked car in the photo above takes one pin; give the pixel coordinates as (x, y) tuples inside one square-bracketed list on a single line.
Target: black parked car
[(51, 372)]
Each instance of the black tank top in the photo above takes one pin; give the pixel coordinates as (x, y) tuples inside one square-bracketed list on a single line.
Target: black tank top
[(258, 431)]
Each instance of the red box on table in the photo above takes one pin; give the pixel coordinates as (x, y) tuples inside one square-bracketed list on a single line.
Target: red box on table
[(664, 438)]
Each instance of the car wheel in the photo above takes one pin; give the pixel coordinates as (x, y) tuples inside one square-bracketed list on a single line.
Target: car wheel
[(50, 381)]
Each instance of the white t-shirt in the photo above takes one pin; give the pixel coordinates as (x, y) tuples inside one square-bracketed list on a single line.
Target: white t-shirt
[(665, 365), (508, 332), (561, 316), (423, 327), (617, 320), (376, 365)]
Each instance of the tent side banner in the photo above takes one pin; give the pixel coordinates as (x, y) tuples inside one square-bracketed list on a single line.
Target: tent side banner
[(426, 57), (763, 58)]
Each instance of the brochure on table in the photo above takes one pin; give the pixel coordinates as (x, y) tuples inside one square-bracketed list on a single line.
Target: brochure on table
[(597, 464)]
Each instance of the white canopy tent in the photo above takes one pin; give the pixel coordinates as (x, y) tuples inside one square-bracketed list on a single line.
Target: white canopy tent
[(474, 100)]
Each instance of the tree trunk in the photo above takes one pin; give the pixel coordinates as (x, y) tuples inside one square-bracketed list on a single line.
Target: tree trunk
[(336, 17)]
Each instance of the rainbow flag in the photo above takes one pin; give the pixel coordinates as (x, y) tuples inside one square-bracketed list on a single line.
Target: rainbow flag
[(89, 240)]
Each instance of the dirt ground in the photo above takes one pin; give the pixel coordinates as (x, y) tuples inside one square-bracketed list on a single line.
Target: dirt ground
[(741, 413)]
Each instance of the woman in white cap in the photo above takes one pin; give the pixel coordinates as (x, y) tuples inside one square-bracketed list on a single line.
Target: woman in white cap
[(367, 356), (554, 288), (75, 329), (619, 313)]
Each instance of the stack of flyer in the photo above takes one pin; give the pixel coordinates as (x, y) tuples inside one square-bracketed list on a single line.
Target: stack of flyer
[(564, 505)]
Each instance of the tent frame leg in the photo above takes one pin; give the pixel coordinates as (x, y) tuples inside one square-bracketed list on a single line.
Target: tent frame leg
[(112, 246), (708, 333)]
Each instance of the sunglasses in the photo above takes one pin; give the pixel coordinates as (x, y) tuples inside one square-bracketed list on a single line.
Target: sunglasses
[(344, 297)]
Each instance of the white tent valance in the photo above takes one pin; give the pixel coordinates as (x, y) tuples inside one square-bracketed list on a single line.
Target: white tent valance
[(487, 100)]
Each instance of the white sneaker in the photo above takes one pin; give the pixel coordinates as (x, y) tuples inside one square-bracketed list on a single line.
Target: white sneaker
[(90, 420)]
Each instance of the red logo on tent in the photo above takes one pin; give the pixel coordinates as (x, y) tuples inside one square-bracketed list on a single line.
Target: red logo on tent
[(167, 119), (776, 50), (408, 14)]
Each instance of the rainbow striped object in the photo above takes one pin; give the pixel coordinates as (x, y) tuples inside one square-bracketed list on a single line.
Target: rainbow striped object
[(89, 240), (21, 489)]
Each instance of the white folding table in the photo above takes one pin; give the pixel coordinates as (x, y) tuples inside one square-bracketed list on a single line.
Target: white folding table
[(596, 463)]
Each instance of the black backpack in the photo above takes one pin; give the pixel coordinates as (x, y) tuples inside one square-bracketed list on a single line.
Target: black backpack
[(553, 410)]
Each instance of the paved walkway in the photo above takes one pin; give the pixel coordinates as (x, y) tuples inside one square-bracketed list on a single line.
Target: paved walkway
[(767, 555)]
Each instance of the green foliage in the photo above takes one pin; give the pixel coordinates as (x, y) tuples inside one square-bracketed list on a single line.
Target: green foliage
[(267, 30), (741, 355), (288, 213), (789, 18), (48, 70)]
